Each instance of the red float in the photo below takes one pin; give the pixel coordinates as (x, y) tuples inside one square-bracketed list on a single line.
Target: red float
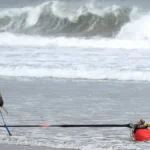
[(142, 135)]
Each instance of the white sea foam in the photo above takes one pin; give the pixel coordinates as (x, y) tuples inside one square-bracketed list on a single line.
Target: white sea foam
[(19, 40), (90, 57)]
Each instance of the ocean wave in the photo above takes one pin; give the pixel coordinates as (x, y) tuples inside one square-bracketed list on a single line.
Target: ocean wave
[(136, 29), (59, 18), (56, 24), (26, 41), (95, 74)]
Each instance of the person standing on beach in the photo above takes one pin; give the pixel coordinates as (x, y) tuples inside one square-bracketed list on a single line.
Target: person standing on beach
[(2, 106), (1, 101)]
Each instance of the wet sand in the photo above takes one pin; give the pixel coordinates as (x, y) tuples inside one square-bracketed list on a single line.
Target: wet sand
[(51, 101), (22, 147)]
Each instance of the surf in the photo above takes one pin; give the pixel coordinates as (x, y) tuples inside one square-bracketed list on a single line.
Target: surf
[(60, 18)]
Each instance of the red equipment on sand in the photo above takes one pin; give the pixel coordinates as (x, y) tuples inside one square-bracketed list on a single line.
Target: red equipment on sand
[(142, 135)]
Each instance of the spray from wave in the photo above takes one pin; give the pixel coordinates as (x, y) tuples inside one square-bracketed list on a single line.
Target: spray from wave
[(63, 25), (59, 18)]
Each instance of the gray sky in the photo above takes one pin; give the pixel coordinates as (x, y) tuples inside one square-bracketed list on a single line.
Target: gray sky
[(21, 3)]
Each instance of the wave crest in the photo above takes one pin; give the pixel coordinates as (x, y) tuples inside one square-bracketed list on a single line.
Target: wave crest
[(55, 18)]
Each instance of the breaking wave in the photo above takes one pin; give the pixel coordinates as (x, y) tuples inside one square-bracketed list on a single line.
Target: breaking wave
[(59, 18)]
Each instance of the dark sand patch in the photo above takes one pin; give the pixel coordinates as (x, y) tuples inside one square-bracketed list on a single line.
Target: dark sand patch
[(22, 147)]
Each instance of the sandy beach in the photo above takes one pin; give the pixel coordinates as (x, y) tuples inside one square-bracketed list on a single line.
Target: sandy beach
[(61, 101), (22, 147)]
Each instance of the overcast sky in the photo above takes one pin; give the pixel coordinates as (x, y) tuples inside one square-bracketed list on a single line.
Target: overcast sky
[(21, 3)]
